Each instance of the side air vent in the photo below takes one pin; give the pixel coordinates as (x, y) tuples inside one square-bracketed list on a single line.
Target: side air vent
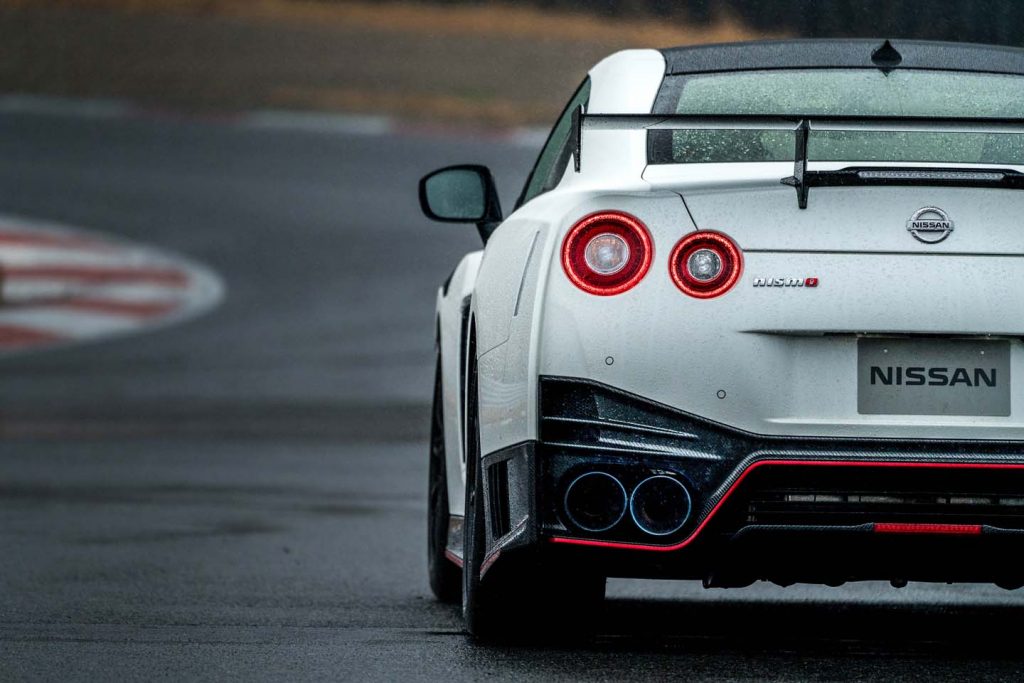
[(497, 481)]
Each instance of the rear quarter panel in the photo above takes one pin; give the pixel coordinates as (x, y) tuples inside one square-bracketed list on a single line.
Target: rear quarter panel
[(509, 371)]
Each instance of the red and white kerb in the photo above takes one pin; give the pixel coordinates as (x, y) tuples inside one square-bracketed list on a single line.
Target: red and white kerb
[(60, 285)]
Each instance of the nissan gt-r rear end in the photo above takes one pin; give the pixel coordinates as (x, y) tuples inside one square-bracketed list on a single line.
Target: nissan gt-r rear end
[(756, 316)]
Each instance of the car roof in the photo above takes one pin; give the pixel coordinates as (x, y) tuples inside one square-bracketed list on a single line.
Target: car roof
[(849, 53)]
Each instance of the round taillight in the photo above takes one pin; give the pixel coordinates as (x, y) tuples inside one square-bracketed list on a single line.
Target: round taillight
[(607, 253), (705, 264)]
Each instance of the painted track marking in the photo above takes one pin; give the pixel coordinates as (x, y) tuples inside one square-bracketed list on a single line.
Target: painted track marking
[(63, 285)]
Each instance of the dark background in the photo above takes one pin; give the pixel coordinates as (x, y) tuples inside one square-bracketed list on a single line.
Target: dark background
[(980, 21)]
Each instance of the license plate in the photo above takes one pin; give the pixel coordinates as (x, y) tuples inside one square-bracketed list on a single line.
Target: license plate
[(933, 377)]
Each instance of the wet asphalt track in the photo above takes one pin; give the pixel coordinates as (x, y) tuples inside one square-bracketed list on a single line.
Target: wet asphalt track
[(243, 496)]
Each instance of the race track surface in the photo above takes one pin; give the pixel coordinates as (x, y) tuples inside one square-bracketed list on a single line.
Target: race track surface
[(242, 495)]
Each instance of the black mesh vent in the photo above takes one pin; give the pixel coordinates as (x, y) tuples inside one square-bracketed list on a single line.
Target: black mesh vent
[(849, 496)]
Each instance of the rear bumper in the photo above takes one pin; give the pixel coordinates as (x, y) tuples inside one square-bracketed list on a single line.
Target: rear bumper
[(783, 509)]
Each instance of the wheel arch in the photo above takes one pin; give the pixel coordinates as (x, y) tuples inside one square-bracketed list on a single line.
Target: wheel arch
[(450, 334)]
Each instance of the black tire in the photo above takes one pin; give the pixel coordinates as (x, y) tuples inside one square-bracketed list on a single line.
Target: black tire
[(519, 599), (477, 610), (445, 577)]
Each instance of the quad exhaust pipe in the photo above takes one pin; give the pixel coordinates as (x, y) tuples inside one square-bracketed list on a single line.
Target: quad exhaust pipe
[(660, 505), (597, 501)]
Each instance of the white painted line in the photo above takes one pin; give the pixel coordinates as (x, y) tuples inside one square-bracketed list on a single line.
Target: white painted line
[(272, 119), (42, 256), (19, 292)]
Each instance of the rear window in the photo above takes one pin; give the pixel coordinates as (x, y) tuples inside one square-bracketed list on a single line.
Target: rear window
[(847, 92)]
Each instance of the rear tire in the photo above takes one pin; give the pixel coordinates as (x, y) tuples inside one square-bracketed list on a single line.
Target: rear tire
[(445, 576), (478, 608), (519, 598)]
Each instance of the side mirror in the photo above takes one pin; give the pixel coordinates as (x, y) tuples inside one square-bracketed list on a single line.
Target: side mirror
[(462, 194)]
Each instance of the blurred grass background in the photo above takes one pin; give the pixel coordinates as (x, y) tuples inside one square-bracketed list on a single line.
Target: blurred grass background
[(489, 64), (479, 62)]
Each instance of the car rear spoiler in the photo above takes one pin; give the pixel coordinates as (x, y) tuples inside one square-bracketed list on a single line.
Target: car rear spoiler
[(802, 126)]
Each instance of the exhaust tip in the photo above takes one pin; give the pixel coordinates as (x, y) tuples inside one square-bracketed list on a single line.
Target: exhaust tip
[(660, 505), (595, 501)]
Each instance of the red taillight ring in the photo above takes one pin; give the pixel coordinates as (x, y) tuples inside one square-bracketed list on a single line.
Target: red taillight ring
[(623, 225), (730, 255)]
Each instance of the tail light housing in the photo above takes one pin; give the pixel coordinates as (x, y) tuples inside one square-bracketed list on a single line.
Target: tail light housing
[(607, 253), (705, 264)]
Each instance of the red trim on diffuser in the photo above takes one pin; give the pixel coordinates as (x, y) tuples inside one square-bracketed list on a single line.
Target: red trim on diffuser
[(945, 529), (453, 558), (489, 561)]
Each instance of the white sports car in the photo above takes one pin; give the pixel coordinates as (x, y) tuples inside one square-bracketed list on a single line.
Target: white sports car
[(757, 315)]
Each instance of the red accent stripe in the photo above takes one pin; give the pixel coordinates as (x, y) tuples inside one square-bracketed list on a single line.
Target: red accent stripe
[(489, 561), (778, 463), (128, 309), (162, 276), (454, 558), (115, 307), (14, 337), (948, 529)]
